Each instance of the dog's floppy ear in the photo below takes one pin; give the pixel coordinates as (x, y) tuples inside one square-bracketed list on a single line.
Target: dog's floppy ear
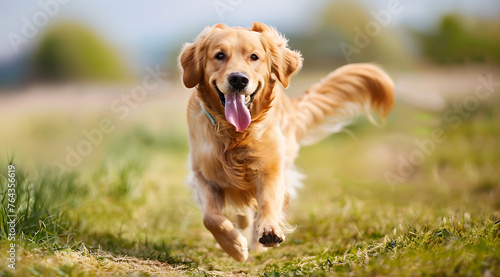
[(190, 63), (192, 57), (284, 62)]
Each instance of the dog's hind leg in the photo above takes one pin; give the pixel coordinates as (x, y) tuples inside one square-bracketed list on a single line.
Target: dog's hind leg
[(224, 232), (245, 220)]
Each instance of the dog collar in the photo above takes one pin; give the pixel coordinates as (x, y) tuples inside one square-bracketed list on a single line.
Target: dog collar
[(210, 117)]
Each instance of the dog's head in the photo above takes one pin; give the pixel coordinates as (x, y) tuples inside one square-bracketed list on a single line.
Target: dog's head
[(236, 67)]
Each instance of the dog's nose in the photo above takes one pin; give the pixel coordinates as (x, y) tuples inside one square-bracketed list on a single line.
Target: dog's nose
[(238, 80)]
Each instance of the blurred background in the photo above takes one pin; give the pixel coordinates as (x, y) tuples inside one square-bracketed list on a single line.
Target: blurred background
[(88, 40), (92, 90)]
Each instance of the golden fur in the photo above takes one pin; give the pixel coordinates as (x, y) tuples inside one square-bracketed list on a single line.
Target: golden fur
[(252, 171)]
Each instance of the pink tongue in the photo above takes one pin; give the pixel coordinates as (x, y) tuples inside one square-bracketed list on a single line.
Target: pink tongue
[(236, 112)]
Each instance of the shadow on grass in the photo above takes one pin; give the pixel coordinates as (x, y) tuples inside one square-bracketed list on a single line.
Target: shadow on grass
[(118, 246)]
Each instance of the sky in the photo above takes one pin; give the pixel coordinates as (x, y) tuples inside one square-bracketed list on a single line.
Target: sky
[(143, 30)]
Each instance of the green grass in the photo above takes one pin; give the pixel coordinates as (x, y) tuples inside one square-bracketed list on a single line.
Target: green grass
[(41, 218), (126, 209)]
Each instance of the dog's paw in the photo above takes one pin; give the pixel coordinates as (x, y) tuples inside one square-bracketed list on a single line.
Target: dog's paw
[(270, 236), (240, 245)]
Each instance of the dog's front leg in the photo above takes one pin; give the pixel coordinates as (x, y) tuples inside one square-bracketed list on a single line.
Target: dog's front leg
[(226, 234), (270, 197)]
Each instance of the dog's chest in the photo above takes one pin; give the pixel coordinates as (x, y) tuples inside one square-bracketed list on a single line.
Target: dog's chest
[(234, 162), (226, 168)]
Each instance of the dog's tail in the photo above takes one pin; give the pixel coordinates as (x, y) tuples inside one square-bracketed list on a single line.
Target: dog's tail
[(331, 104)]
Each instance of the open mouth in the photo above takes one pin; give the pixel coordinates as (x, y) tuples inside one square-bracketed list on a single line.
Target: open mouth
[(248, 98), (237, 107)]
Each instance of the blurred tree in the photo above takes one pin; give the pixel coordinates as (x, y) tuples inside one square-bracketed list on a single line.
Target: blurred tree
[(458, 39), (70, 51), (349, 25)]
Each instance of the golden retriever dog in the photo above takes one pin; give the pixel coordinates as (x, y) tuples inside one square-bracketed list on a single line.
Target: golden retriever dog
[(245, 132)]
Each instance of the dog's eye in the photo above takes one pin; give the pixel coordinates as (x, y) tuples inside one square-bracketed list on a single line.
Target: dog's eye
[(220, 56), (254, 57)]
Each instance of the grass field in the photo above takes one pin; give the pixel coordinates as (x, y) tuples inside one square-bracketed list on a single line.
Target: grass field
[(124, 209)]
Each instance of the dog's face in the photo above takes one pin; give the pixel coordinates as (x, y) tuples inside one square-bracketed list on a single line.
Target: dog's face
[(236, 66)]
